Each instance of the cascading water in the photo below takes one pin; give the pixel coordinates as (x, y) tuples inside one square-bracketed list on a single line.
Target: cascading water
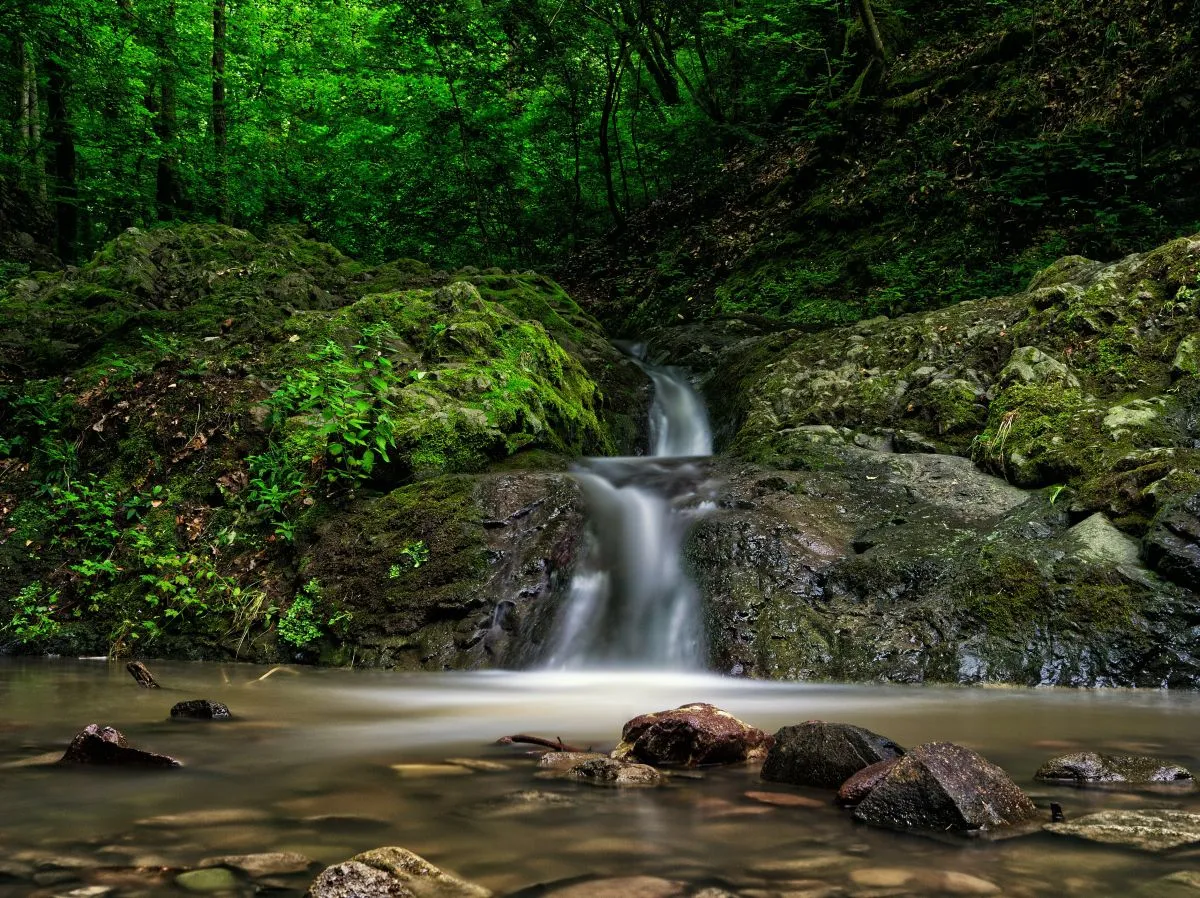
[(631, 602)]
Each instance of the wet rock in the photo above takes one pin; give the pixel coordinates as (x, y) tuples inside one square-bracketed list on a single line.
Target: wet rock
[(800, 867), (1147, 830), (105, 746), (201, 709), (785, 800), (392, 872), (420, 771), (275, 863), (524, 802), (923, 882), (479, 765), (859, 786), (355, 880), (943, 786), (93, 891), (1029, 365), (620, 887), (565, 760), (213, 879), (609, 771), (816, 753), (1183, 884), (1088, 767), (691, 736), (1172, 546), (207, 817)]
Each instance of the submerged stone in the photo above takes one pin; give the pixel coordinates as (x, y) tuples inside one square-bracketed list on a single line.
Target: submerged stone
[(213, 879), (945, 787), (691, 736), (1147, 830), (610, 771), (620, 887), (816, 753), (274, 863), (565, 760), (1089, 767)]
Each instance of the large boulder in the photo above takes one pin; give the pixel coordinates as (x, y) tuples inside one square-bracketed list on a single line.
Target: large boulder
[(1172, 545), (945, 787), (106, 746), (1088, 767), (693, 735), (816, 753), (391, 873)]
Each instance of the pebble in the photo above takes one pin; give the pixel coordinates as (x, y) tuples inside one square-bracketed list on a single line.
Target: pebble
[(209, 817), (426, 770), (478, 764), (275, 863), (213, 879), (801, 866), (786, 800), (949, 882)]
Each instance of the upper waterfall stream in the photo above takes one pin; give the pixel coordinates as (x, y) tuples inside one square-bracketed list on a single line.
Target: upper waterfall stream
[(631, 603)]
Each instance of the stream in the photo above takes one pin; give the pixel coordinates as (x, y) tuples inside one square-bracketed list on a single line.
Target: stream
[(307, 765)]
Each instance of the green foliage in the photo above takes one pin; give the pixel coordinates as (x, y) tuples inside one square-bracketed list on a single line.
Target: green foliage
[(415, 552), (33, 620)]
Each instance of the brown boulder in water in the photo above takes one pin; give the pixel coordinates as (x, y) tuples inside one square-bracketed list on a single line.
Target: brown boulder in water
[(859, 786), (105, 746), (1085, 768), (693, 735), (943, 786)]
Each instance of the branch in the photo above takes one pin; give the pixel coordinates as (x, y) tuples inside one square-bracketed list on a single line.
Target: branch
[(558, 745)]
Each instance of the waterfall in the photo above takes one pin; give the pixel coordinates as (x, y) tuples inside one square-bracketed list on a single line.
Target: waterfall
[(631, 602)]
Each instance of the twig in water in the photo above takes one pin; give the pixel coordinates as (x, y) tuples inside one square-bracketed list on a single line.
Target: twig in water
[(521, 739)]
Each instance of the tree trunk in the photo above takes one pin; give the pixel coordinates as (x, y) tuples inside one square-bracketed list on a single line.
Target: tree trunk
[(166, 191), (220, 117), (29, 125), (610, 96), (62, 163), (867, 14)]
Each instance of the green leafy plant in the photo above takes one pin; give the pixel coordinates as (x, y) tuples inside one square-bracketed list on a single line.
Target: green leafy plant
[(33, 622), (415, 552), (298, 624)]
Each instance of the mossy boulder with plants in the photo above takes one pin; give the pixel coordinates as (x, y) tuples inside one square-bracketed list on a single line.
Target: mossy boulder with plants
[(175, 412)]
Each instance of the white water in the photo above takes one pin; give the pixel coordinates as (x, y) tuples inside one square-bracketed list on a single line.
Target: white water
[(631, 603)]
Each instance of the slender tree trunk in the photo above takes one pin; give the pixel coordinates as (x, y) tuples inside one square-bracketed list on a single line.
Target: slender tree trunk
[(468, 169), (610, 94), (867, 14), (166, 192), (220, 114), (29, 125), (62, 163)]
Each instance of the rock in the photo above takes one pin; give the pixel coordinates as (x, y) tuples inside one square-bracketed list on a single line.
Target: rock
[(943, 786), (207, 817), (801, 867), (1097, 541), (392, 872), (105, 746), (1172, 546), (1184, 884), (619, 887), (201, 709), (275, 863), (524, 802), (859, 786), (1148, 830), (213, 879), (480, 765), (1187, 357), (923, 882), (613, 772), (785, 800), (816, 753), (564, 760), (1086, 767), (1029, 365), (420, 771), (691, 736), (355, 880)]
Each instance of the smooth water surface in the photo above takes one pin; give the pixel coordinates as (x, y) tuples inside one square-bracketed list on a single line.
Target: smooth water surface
[(308, 766)]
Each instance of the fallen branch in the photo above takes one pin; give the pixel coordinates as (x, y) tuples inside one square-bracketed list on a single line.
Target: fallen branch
[(553, 745), (275, 670), (141, 673)]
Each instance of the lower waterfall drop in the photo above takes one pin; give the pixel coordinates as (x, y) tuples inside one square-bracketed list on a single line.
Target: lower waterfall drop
[(631, 603)]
